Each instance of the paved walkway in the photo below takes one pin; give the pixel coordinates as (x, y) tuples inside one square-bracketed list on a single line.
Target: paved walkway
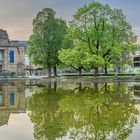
[(37, 77)]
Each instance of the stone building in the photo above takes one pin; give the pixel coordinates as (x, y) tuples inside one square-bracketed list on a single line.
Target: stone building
[(137, 61), (12, 56)]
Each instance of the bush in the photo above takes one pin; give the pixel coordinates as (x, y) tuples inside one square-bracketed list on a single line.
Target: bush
[(12, 74)]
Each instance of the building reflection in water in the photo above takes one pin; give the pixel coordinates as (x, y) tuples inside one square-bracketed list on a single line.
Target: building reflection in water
[(14, 96), (12, 100), (136, 90)]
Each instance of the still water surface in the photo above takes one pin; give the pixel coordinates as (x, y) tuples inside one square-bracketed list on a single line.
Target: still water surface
[(69, 110)]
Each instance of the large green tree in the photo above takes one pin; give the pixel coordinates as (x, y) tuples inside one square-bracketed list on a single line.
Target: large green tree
[(120, 41), (46, 40), (104, 31)]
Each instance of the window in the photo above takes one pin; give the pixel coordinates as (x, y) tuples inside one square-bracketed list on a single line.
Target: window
[(137, 64), (136, 58), (11, 56)]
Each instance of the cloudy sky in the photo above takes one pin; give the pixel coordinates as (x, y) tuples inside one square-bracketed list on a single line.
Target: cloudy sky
[(16, 15)]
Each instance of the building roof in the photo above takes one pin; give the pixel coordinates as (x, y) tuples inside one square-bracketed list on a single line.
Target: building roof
[(5, 42), (3, 35), (4, 38), (18, 43)]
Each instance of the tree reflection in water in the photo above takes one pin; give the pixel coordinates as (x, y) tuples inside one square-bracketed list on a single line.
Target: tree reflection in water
[(104, 112)]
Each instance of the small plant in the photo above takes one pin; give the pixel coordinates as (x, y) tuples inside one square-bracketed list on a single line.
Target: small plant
[(12, 74)]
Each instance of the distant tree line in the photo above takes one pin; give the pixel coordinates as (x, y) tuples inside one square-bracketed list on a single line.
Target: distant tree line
[(97, 37)]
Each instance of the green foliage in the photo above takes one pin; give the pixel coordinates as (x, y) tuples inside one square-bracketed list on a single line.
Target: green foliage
[(47, 37), (73, 57), (97, 37), (79, 57), (101, 112), (105, 32)]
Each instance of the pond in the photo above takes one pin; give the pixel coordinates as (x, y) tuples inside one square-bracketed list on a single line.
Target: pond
[(69, 110)]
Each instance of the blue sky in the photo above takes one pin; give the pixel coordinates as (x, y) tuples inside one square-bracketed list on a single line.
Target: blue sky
[(16, 15)]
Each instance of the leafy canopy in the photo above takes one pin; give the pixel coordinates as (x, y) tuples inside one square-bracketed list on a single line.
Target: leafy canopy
[(47, 37)]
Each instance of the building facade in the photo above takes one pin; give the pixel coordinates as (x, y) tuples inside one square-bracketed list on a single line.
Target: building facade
[(12, 56), (137, 61)]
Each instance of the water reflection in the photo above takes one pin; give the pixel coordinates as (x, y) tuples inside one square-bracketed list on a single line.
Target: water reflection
[(12, 100), (79, 111), (14, 97)]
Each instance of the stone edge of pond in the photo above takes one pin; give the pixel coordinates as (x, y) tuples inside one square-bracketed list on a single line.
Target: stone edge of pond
[(95, 79), (89, 78)]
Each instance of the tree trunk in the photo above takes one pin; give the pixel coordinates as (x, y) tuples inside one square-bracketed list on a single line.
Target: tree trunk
[(30, 72), (96, 72), (55, 71), (80, 86), (55, 86), (96, 87), (119, 69), (105, 87), (105, 69), (49, 86), (49, 71), (80, 72)]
